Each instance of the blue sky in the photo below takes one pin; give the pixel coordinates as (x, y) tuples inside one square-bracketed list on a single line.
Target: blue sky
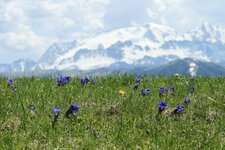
[(28, 27)]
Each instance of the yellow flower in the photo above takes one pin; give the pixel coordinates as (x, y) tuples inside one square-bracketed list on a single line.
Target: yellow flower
[(121, 92)]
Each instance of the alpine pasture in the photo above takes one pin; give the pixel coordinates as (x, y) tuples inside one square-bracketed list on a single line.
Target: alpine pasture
[(112, 112)]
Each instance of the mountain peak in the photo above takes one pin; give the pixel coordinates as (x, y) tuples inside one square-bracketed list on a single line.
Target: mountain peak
[(207, 27)]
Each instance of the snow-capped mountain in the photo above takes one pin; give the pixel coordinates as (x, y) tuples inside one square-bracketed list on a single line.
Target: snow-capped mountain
[(53, 52), (21, 65), (148, 46), (127, 45), (141, 46)]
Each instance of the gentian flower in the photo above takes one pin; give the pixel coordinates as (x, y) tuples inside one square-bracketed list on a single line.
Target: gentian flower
[(145, 92), (186, 101), (56, 115), (63, 80), (162, 91), (56, 112), (138, 79), (31, 107), (59, 81), (192, 89), (142, 92), (66, 79), (72, 110), (172, 89), (162, 106), (10, 82), (148, 90), (136, 86), (179, 109), (84, 81)]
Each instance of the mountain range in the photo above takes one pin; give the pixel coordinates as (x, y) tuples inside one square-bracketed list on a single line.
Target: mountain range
[(148, 47)]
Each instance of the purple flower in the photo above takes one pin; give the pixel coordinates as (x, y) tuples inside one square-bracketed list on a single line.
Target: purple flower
[(186, 101), (179, 109), (66, 79), (138, 79), (75, 108), (192, 89), (84, 81), (59, 81), (142, 92), (56, 112), (72, 110), (136, 86), (145, 92), (63, 80), (172, 89), (162, 106), (148, 90), (162, 91), (31, 107), (10, 82)]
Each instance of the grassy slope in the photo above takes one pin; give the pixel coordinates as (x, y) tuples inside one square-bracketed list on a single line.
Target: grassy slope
[(110, 121)]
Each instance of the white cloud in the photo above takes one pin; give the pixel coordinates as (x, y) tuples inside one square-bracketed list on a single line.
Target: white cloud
[(184, 15), (29, 27)]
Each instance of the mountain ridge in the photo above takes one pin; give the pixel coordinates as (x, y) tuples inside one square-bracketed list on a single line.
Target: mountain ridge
[(150, 45)]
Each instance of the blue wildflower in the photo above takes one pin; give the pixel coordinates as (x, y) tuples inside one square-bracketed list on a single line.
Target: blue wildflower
[(162, 106), (142, 92), (172, 89), (84, 81), (136, 86), (72, 110), (148, 90), (31, 107), (145, 92), (162, 91), (59, 81), (192, 89), (66, 79), (186, 101), (56, 112), (56, 115), (10, 82), (63, 80), (179, 109), (138, 79)]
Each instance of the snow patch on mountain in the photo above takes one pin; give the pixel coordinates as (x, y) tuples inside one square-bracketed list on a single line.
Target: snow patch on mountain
[(56, 50), (209, 33)]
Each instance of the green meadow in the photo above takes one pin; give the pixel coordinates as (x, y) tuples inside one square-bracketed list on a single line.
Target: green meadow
[(108, 120)]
